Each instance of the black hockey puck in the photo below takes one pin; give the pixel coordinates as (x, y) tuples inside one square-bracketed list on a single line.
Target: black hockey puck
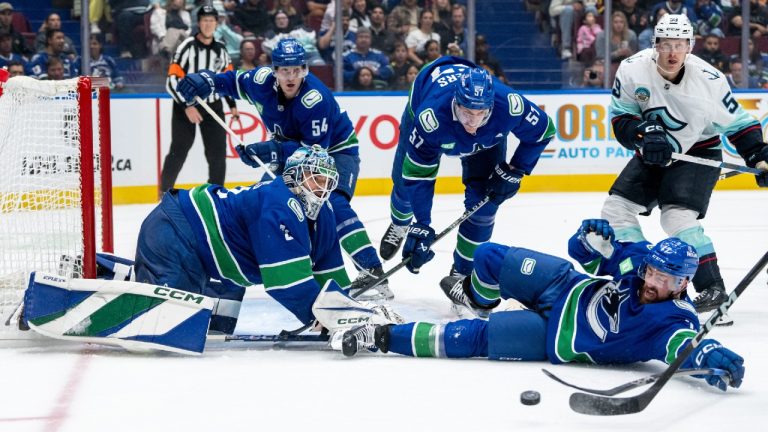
[(530, 397)]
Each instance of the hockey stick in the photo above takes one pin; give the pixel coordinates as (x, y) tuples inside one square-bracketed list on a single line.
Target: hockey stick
[(278, 338), (591, 404), (713, 163), (442, 234), (638, 382), (219, 120), (729, 174)]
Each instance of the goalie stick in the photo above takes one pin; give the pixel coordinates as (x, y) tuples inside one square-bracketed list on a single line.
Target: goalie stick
[(442, 234), (592, 404), (638, 382)]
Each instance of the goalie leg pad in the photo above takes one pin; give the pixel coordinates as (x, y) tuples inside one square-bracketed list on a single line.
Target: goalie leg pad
[(132, 315), (336, 310)]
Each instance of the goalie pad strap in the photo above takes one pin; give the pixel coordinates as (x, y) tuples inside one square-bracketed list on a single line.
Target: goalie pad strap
[(133, 315)]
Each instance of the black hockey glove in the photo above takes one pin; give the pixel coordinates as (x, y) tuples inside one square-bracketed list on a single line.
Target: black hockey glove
[(653, 144), (504, 183), (759, 160), (418, 246)]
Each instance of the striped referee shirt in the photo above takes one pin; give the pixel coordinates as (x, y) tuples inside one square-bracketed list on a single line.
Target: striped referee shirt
[(193, 56)]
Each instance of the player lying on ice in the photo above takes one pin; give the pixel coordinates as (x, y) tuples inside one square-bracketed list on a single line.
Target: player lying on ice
[(280, 234), (641, 313)]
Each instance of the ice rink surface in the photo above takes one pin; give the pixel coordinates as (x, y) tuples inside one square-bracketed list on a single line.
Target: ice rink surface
[(240, 386)]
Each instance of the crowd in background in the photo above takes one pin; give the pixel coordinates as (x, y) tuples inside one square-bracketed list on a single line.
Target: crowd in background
[(386, 42), (576, 28)]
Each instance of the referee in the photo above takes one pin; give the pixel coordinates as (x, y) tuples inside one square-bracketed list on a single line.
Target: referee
[(197, 52)]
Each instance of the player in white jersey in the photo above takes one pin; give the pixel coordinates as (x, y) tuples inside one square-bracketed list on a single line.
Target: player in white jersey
[(666, 100)]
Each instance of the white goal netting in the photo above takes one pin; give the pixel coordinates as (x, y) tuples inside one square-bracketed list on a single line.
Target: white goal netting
[(44, 144)]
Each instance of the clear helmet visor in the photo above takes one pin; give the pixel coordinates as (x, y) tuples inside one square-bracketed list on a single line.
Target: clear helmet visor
[(471, 118), (660, 280)]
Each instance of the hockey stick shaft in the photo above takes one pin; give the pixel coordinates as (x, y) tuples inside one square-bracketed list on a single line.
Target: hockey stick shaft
[(442, 234), (716, 164), (591, 404), (729, 174), (636, 383), (278, 338), (220, 121)]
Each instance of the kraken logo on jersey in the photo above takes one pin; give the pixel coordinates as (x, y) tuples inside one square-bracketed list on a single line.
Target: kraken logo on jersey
[(606, 303)]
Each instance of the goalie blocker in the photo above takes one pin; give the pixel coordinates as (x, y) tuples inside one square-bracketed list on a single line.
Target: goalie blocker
[(139, 316)]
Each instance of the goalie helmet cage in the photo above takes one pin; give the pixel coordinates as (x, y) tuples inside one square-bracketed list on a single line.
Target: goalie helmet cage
[(55, 181)]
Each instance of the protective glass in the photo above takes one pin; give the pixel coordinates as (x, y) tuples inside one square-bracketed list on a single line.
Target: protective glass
[(290, 72), (662, 280)]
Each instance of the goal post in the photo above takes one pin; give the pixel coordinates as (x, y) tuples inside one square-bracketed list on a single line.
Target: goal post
[(55, 181)]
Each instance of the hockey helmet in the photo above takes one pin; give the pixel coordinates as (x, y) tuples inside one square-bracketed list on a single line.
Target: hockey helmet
[(310, 173), (673, 26), (207, 10), (474, 90), (288, 52), (674, 257)]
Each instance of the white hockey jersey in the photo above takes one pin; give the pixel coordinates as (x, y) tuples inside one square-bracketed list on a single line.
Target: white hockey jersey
[(697, 110)]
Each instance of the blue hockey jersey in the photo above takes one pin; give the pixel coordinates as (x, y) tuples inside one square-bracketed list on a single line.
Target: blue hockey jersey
[(312, 117), (432, 129), (599, 322), (260, 234)]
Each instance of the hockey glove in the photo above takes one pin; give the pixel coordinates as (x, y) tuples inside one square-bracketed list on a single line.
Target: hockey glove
[(710, 354), (268, 152), (653, 144), (504, 183), (759, 160), (418, 246), (196, 84)]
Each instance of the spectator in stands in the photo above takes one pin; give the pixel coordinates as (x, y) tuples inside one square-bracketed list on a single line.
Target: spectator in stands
[(304, 35), (711, 53), (363, 80), (252, 17), (103, 65), (484, 59), (15, 68), (400, 65), (585, 38), (456, 31), (418, 37), (365, 56), (330, 15), (709, 16), (317, 8), (734, 75), (594, 75), (637, 17), (410, 76), (169, 27), (6, 50), (398, 24), (756, 63), (228, 36), (326, 42), (38, 66), (442, 11), (758, 19), (410, 11), (249, 53), (18, 44), (562, 12), (431, 51), (54, 70), (623, 41), (98, 10), (294, 16), (53, 21), (361, 16), (382, 38), (127, 15)]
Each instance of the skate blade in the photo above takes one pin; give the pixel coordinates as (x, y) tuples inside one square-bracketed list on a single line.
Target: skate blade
[(723, 321)]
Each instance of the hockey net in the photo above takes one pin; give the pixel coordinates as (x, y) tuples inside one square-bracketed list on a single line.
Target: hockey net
[(55, 183)]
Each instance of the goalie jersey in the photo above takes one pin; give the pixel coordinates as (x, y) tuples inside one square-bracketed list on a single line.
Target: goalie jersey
[(312, 117), (694, 112), (260, 234), (599, 321)]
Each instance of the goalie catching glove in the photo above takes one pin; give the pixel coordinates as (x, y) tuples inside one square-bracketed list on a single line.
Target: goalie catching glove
[(651, 140)]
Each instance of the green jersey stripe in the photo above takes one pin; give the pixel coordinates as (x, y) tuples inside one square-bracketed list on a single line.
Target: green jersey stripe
[(223, 258), (399, 215), (486, 291), (351, 141), (338, 274), (592, 266), (355, 240), (567, 327), (465, 247), (415, 171), (286, 273), (549, 132)]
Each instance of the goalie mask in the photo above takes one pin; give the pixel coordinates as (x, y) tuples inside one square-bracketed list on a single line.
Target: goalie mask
[(310, 173), (473, 98), (672, 262)]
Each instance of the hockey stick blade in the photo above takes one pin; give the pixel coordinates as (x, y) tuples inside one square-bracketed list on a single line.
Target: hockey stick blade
[(636, 383), (442, 234), (592, 404), (278, 338)]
